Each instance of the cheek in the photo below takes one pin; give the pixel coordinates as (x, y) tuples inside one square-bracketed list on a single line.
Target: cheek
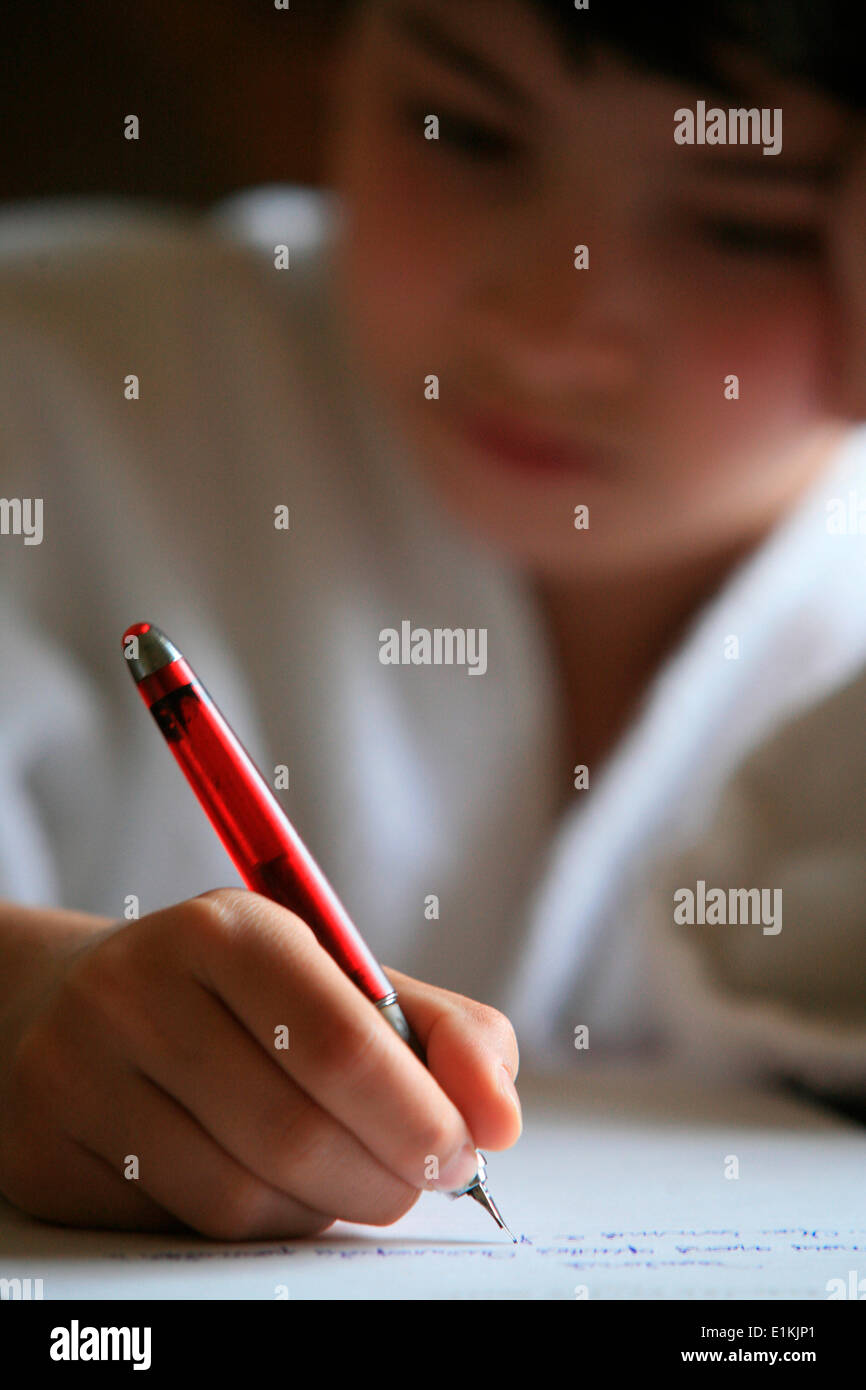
[(403, 256), (382, 186), (776, 341)]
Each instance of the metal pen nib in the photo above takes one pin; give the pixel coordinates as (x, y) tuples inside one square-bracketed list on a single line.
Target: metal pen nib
[(477, 1188)]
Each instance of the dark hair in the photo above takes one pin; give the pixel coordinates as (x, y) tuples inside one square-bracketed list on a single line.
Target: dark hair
[(813, 41)]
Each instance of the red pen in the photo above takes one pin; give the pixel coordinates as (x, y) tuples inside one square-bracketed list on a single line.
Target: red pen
[(267, 851)]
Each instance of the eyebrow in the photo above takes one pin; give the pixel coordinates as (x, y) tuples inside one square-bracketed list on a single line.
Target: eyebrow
[(426, 32), (815, 172)]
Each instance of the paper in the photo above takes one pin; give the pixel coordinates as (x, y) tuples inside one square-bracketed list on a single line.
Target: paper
[(617, 1188)]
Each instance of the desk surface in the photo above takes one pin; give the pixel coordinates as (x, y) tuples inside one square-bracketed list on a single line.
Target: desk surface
[(622, 1186)]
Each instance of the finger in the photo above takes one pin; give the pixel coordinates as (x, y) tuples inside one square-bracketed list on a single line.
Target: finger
[(270, 970), (110, 1109), (54, 1178), (472, 1051), (179, 1166), (249, 1106)]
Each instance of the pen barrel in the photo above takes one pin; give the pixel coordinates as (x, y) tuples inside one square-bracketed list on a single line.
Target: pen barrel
[(268, 853), (391, 1010), (255, 831), (294, 880)]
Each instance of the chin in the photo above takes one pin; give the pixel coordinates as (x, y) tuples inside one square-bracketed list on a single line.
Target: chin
[(536, 542)]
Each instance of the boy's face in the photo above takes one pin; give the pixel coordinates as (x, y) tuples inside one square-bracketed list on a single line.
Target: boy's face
[(602, 386)]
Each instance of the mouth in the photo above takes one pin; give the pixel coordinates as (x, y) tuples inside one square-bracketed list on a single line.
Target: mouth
[(519, 444)]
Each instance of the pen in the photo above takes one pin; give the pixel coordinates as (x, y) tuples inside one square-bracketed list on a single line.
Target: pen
[(257, 834)]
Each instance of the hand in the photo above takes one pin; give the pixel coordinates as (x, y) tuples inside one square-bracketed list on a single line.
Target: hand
[(149, 1050)]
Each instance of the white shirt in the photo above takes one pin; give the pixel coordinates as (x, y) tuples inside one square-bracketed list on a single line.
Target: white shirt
[(405, 781)]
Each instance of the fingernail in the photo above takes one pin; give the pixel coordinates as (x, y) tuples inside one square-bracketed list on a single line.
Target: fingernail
[(509, 1090), (459, 1171)]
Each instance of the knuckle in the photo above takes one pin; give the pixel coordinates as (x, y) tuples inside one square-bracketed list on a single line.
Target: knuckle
[(238, 921), (212, 916), (209, 929)]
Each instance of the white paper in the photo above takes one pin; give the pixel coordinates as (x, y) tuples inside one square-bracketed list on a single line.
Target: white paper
[(617, 1189)]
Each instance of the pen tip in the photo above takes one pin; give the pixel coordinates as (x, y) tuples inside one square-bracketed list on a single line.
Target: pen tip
[(482, 1196)]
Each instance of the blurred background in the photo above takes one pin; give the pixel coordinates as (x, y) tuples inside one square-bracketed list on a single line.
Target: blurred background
[(229, 94)]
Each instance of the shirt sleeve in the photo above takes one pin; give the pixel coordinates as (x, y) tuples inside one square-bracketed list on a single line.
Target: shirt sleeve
[(88, 818), (757, 931)]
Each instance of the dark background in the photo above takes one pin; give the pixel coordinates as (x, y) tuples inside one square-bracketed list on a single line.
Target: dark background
[(229, 93)]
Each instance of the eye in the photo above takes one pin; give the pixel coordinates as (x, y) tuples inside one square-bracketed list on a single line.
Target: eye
[(465, 136), (761, 239)]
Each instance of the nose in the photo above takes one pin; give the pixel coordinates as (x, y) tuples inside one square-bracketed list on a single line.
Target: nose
[(548, 324)]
